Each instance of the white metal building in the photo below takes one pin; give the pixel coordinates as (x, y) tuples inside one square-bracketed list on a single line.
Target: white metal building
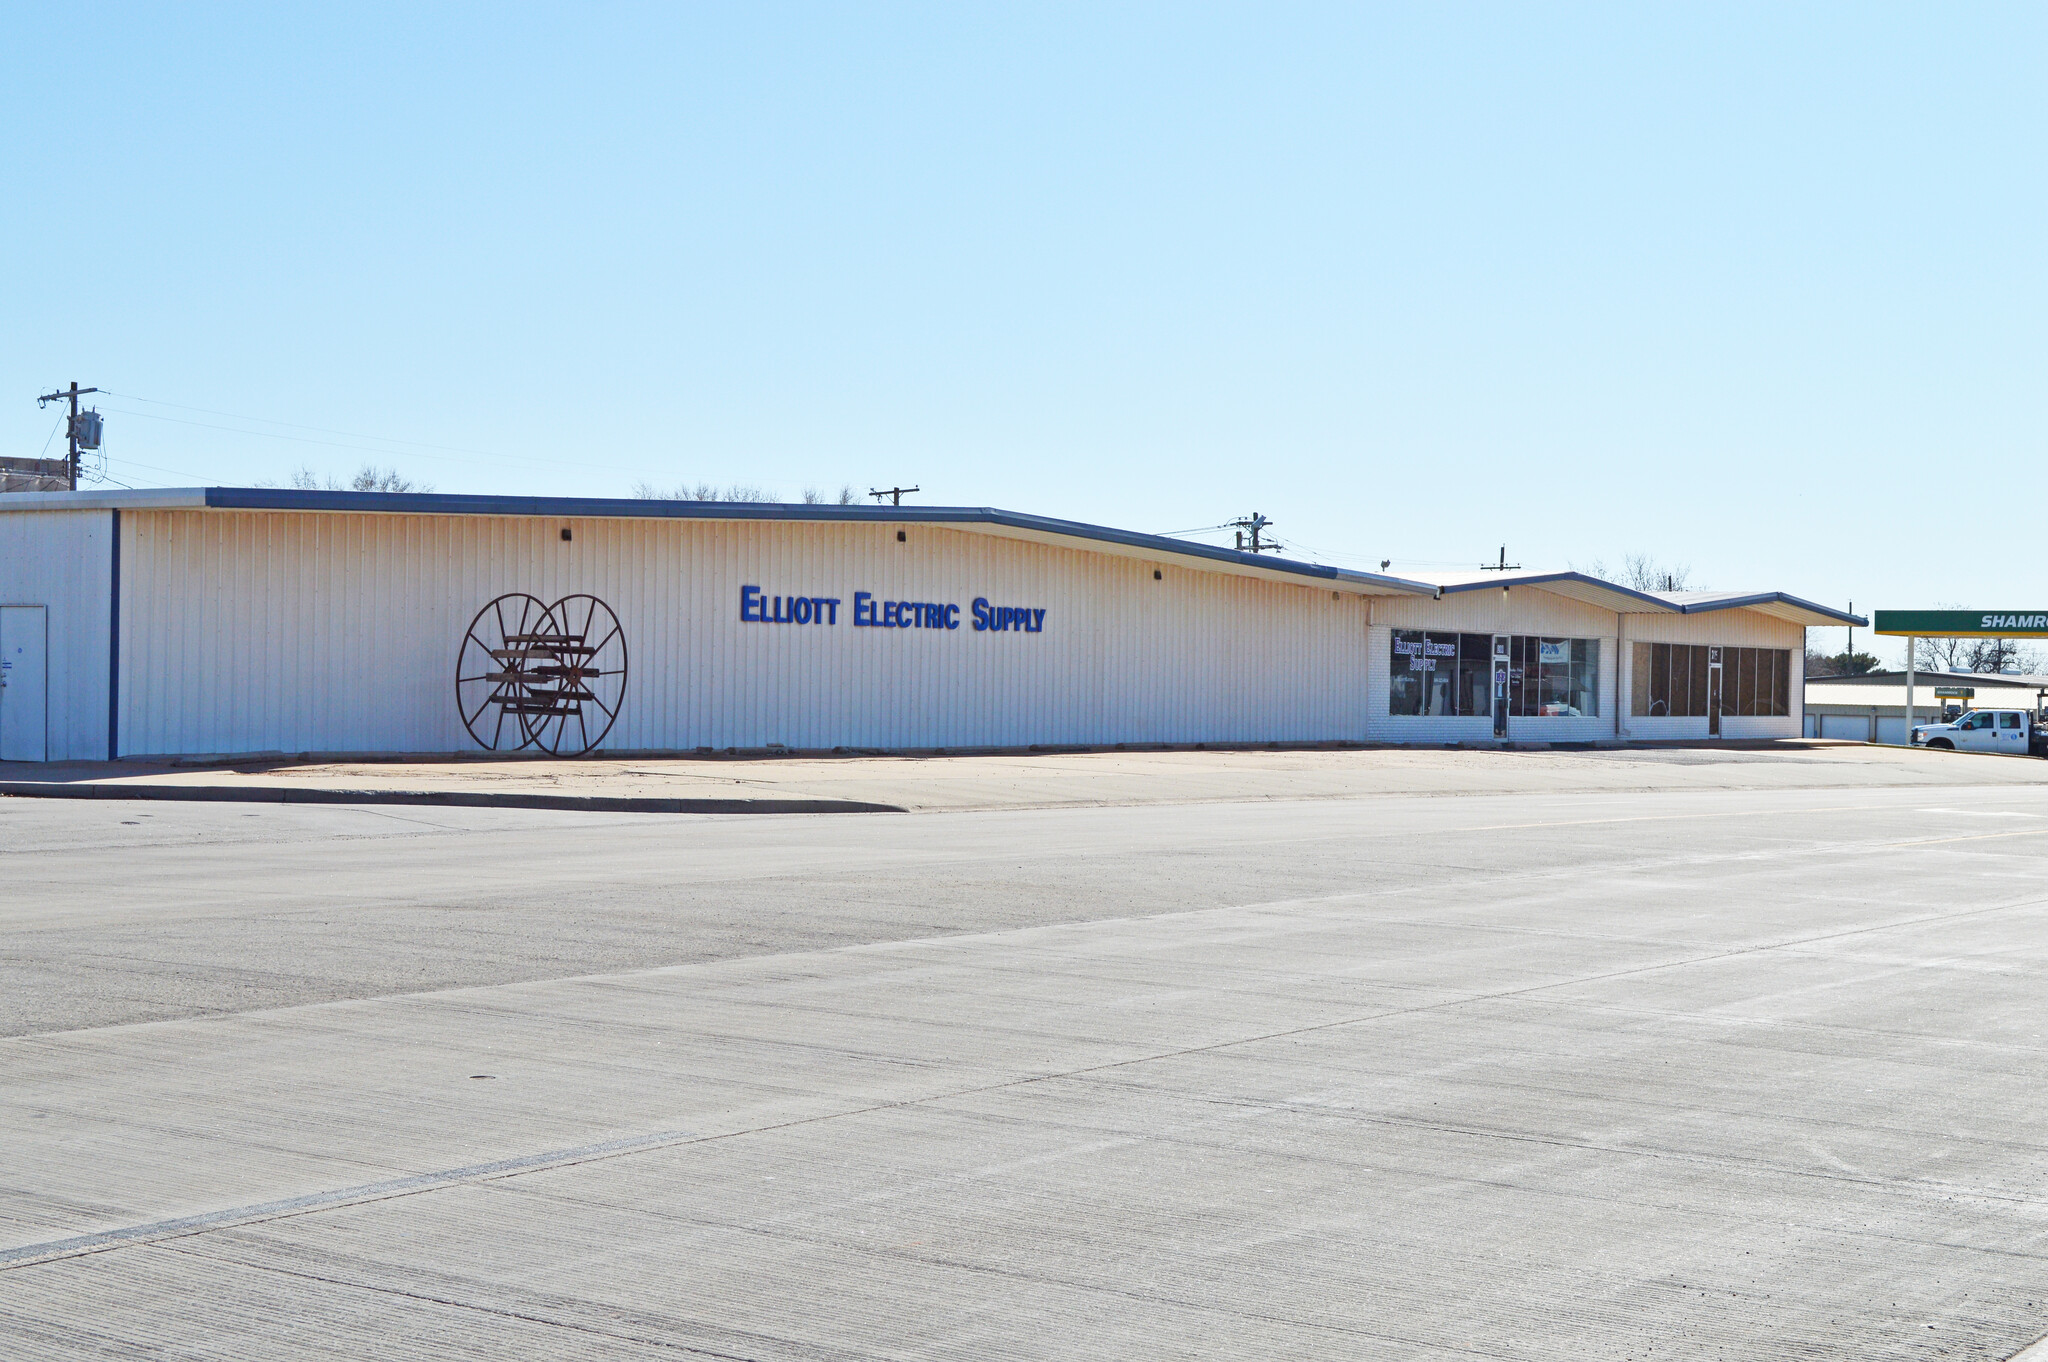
[(240, 621), (1872, 708)]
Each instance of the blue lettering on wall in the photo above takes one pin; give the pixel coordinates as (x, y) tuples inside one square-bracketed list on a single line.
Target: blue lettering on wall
[(759, 607), (1007, 618)]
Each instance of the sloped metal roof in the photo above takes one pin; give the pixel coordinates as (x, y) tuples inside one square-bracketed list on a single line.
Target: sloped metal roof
[(1777, 603), (1605, 595), (1578, 586), (985, 519)]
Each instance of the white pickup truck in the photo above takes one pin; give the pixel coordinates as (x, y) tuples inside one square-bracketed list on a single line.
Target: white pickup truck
[(1987, 730)]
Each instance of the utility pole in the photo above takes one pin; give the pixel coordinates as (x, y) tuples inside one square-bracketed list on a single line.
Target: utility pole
[(1503, 565), (894, 493), (1256, 525), (72, 429)]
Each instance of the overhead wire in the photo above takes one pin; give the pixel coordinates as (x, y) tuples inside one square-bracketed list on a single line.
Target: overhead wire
[(294, 425), (154, 468), (416, 448)]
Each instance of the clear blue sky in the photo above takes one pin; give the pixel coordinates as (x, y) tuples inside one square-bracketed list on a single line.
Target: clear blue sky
[(1731, 285)]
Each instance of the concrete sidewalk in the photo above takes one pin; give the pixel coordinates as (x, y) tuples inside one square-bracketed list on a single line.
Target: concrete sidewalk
[(879, 784)]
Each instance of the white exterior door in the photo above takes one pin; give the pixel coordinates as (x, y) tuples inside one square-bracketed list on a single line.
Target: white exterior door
[(2011, 736), (23, 682)]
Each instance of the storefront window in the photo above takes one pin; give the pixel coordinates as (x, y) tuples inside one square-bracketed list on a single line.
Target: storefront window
[(1670, 679), (1554, 678), (1440, 675)]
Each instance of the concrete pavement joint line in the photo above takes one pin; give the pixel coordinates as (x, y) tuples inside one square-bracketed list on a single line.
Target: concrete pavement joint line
[(1973, 837), (1642, 1151), (776, 1228), (1288, 903), (969, 938), (83, 1244), (453, 1304), (977, 1269), (1356, 1020), (312, 1201)]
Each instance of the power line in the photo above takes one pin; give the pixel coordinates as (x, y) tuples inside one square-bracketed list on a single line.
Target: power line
[(267, 434), (415, 448), (294, 425), (136, 463), (82, 433), (484, 458), (1255, 524)]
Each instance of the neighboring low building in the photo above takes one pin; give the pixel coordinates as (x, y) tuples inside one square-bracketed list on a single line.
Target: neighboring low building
[(243, 621), (1872, 708)]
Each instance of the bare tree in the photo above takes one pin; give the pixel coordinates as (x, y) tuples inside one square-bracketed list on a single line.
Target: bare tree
[(1642, 573), (703, 491), (368, 478), (1975, 655), (1941, 654)]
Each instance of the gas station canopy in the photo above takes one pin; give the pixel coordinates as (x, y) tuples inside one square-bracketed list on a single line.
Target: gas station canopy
[(1963, 623)]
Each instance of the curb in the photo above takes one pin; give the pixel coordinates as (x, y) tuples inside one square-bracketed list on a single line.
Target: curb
[(462, 799)]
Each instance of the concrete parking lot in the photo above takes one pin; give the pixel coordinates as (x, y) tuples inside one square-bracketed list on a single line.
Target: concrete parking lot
[(1735, 1066)]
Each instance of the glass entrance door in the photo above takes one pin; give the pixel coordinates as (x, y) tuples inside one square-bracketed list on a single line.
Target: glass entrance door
[(1713, 692), (1500, 687)]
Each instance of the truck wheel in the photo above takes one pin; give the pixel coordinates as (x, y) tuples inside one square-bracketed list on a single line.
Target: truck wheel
[(1942, 744)]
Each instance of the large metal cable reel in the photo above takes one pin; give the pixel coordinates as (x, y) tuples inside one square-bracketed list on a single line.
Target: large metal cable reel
[(552, 677), (490, 670), (588, 677)]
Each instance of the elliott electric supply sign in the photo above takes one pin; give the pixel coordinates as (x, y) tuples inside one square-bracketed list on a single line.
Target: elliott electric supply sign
[(757, 607), (1964, 623)]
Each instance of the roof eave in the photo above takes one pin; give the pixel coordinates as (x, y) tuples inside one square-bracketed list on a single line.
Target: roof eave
[(987, 519), (1780, 606), (1607, 595)]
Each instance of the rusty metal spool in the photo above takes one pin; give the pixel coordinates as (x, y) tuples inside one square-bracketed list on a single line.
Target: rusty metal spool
[(581, 689), (552, 677)]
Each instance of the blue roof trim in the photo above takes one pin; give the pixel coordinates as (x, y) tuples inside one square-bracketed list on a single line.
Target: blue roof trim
[(636, 508), (1740, 601), (1538, 579), (1734, 600)]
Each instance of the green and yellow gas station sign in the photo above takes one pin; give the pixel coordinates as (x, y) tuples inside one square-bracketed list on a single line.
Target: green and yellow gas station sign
[(1963, 623)]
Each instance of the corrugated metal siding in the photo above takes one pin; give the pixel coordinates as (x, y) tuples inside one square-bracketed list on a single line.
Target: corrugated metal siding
[(1991, 694), (286, 632), (62, 560), (292, 632)]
